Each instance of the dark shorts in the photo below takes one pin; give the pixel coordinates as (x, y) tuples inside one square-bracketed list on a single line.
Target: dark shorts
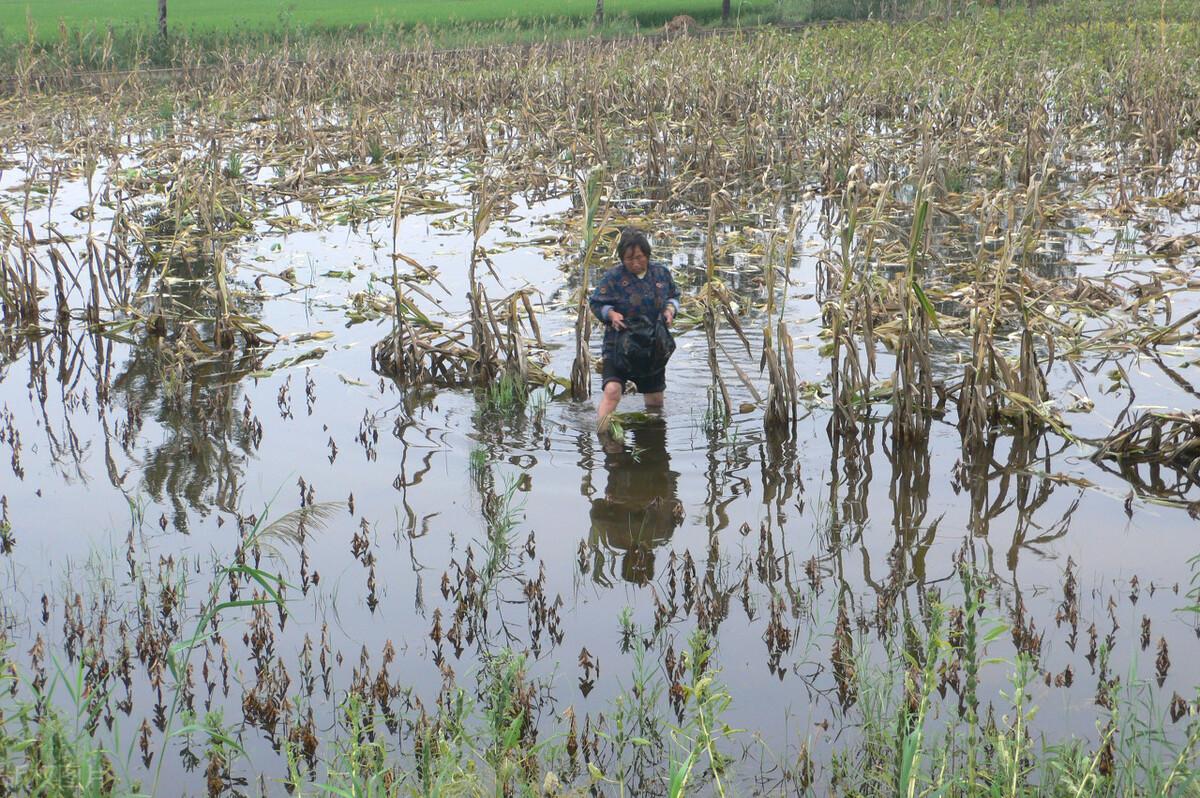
[(647, 383)]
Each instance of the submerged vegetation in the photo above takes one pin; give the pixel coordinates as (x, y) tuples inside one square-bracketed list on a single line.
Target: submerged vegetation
[(921, 718), (954, 246)]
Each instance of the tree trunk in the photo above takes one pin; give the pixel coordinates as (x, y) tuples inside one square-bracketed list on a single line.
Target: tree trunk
[(162, 18), (725, 11), (599, 12)]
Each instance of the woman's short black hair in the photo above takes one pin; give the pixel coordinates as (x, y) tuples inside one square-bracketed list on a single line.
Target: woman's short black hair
[(632, 237)]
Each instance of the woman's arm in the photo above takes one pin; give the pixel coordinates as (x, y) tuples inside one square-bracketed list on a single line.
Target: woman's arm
[(603, 299), (672, 296)]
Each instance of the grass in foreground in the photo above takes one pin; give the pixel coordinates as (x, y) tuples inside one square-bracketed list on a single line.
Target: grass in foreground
[(486, 737)]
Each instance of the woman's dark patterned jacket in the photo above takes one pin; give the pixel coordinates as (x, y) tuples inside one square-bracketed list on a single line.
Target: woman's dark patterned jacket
[(620, 290)]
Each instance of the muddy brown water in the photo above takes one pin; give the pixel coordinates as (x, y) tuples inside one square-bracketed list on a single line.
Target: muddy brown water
[(731, 513)]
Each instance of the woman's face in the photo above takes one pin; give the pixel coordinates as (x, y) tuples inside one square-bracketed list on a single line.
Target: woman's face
[(635, 260)]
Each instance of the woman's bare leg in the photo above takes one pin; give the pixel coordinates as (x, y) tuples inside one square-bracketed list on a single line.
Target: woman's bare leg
[(654, 401), (609, 401)]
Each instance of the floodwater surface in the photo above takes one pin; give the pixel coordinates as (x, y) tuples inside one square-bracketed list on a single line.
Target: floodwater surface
[(425, 529)]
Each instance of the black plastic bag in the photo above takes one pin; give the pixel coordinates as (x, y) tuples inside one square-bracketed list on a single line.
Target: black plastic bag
[(643, 347)]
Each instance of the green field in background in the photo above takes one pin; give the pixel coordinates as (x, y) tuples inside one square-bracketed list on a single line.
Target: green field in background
[(230, 15)]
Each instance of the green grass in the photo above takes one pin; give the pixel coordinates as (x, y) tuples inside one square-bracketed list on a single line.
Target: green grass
[(225, 16), (259, 25)]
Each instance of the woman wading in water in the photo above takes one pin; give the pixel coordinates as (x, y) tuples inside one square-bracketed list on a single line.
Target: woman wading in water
[(634, 294)]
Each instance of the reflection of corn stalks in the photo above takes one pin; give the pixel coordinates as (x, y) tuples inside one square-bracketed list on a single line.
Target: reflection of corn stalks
[(842, 657)]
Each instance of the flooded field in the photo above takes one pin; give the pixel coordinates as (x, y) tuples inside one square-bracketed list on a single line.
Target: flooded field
[(305, 490)]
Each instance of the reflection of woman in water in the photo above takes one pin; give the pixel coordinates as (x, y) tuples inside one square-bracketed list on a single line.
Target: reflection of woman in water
[(639, 510)]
